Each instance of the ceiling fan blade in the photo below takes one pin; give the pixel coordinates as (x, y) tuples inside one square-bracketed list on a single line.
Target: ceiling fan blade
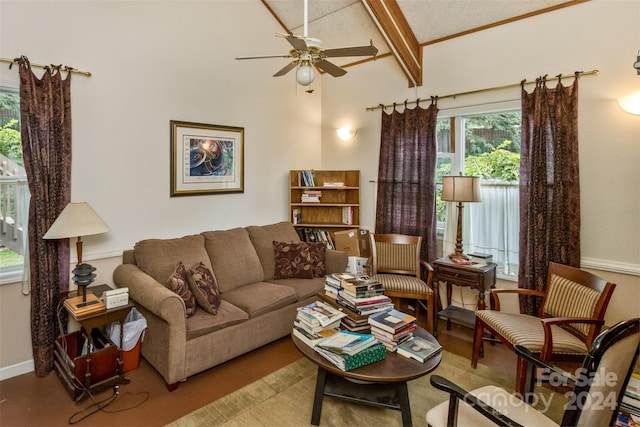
[(330, 68), (296, 42), (264, 56), (290, 66), (369, 50)]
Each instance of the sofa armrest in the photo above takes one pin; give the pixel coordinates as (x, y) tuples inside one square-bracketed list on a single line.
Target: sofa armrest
[(146, 291), (335, 261)]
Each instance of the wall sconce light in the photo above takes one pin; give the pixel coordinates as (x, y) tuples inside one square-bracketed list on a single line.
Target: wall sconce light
[(631, 102), (345, 133)]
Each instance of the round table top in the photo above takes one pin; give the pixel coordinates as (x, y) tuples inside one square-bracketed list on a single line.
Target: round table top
[(394, 368)]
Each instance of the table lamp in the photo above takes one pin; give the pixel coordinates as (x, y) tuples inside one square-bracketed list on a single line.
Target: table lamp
[(460, 189), (77, 220)]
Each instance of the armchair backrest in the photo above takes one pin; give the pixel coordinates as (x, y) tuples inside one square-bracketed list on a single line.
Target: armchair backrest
[(604, 376), (572, 292), (395, 254)]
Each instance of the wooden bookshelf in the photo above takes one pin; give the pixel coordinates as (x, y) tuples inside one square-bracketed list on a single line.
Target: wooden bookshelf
[(329, 214)]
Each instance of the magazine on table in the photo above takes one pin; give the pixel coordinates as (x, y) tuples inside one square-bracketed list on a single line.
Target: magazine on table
[(319, 313), (419, 349), (391, 320)]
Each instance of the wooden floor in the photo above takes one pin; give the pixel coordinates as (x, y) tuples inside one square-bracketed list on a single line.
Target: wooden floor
[(27, 400)]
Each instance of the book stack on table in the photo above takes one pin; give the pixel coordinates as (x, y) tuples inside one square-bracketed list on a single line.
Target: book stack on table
[(392, 327), (316, 321), (350, 350), (419, 349), (480, 258)]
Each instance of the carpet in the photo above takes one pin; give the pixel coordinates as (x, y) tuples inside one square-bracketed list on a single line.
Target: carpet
[(285, 398)]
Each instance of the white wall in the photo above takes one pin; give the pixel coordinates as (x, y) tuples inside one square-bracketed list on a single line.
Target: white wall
[(153, 62), (599, 34)]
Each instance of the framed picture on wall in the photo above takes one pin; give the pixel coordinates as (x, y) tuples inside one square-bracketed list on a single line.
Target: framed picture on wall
[(206, 159)]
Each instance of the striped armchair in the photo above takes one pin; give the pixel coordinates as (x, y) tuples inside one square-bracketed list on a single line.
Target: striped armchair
[(395, 262), (570, 317)]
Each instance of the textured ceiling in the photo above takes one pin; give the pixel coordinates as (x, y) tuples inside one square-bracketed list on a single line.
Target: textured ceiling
[(342, 23)]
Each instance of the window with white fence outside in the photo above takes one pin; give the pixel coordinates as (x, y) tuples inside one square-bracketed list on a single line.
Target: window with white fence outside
[(14, 191)]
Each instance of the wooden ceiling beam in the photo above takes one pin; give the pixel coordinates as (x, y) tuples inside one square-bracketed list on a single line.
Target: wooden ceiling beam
[(390, 20)]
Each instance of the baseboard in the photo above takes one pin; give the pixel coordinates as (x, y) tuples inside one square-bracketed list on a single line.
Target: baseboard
[(17, 369)]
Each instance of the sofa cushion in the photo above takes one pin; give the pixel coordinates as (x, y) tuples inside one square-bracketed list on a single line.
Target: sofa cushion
[(179, 283), (159, 257), (304, 288), (204, 286), (262, 238), (233, 258), (300, 260), (203, 323), (259, 298)]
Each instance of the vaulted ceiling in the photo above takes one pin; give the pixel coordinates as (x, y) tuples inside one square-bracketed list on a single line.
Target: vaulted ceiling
[(399, 27)]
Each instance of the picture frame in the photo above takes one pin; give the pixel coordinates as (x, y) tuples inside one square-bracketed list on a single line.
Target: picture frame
[(206, 159)]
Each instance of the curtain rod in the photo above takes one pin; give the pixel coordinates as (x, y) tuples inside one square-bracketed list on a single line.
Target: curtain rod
[(454, 95), (64, 67)]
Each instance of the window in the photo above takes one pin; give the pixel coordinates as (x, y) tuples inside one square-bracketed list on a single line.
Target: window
[(14, 192), (490, 148)]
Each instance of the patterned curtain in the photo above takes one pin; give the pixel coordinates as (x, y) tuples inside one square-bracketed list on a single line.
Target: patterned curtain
[(407, 175), (549, 184), (45, 112)]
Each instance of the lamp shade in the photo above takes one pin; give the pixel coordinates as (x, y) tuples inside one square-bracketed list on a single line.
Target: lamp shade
[(461, 188), (76, 219)]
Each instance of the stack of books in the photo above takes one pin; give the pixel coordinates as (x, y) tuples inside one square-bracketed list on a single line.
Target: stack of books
[(349, 350), (392, 327), (419, 349), (353, 321), (480, 259), (310, 196), (363, 295), (316, 321)]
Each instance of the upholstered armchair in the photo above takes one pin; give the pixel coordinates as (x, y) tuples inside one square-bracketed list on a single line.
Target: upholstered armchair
[(571, 316), (593, 401), (395, 262)]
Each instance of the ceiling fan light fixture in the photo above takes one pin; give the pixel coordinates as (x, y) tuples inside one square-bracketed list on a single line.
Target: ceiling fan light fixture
[(305, 74)]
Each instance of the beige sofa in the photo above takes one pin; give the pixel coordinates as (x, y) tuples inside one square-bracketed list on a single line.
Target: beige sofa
[(256, 308)]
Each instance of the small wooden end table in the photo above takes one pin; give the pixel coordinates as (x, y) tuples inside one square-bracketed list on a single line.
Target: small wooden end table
[(382, 383), (475, 276)]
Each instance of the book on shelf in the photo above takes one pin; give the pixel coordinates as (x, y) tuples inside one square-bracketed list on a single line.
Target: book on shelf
[(345, 342), (391, 320), (319, 314), (347, 362), (347, 215), (307, 178), (333, 184), (419, 349)]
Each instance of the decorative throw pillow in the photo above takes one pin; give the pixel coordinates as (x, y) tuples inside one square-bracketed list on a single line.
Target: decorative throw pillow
[(204, 286), (179, 284), (301, 260)]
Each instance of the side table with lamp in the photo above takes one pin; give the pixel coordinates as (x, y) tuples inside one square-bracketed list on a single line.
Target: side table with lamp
[(86, 361), (456, 269)]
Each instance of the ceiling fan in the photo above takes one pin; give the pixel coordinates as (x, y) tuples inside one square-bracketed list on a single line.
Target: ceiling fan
[(307, 52)]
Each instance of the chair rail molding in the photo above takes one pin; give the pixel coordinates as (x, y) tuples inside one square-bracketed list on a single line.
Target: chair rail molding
[(612, 266)]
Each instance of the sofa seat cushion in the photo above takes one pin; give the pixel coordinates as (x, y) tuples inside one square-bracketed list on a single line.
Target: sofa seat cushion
[(304, 288), (159, 257), (233, 258), (263, 237), (259, 298), (202, 323)]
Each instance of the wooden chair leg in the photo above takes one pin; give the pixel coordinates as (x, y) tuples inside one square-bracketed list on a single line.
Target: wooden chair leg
[(521, 376), (477, 344)]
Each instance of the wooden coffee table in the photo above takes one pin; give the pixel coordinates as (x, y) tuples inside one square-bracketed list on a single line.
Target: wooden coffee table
[(382, 383)]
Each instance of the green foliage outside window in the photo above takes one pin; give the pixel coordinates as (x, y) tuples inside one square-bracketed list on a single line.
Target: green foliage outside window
[(10, 145)]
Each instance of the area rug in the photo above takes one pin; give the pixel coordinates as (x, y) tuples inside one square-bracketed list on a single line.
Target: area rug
[(285, 398)]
